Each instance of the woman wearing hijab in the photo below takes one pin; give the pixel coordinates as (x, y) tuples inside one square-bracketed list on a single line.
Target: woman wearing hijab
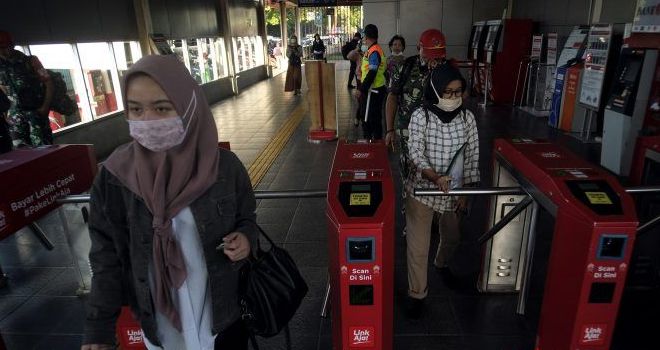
[(172, 220), (444, 149), (294, 74)]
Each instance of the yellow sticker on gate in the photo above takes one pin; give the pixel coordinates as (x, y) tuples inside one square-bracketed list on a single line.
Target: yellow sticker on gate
[(360, 199), (598, 198)]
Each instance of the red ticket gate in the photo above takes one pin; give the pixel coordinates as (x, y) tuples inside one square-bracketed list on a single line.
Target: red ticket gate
[(360, 215), (593, 239), (32, 180)]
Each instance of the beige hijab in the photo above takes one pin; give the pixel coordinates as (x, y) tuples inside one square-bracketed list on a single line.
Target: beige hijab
[(169, 181)]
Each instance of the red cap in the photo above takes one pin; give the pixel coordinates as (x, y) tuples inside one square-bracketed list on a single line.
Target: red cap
[(433, 43), (5, 39)]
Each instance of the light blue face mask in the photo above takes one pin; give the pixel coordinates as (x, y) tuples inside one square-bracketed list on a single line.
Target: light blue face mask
[(364, 48)]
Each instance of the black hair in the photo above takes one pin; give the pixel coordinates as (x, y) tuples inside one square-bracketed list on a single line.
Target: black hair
[(441, 77), (371, 31), (401, 39), (357, 34)]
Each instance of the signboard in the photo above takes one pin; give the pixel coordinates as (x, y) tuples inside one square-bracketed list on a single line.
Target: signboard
[(316, 3), (551, 57), (537, 44), (574, 44), (598, 47), (647, 17)]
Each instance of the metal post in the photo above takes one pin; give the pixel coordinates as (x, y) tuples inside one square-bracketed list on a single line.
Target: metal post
[(326, 301), (486, 71), (83, 289), (527, 264), (515, 92), (41, 235)]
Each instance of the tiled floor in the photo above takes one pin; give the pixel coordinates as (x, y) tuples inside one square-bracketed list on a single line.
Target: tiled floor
[(40, 310)]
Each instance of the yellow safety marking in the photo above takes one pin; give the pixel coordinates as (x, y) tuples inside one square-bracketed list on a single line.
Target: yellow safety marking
[(265, 159), (598, 198)]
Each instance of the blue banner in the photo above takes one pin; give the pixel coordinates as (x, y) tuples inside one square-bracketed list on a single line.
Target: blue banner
[(555, 108)]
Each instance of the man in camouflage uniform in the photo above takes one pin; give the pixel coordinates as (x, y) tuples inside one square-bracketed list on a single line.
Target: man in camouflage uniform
[(30, 90), (406, 92)]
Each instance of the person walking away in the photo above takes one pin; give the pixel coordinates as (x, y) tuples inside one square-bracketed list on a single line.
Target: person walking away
[(372, 90), (346, 49), (444, 149), (355, 56), (172, 221), (294, 74), (28, 86)]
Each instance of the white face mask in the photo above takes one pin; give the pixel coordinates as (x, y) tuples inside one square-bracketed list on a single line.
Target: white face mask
[(397, 53), (447, 104)]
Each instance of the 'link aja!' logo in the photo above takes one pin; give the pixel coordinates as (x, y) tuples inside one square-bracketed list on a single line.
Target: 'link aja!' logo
[(593, 334), (134, 336), (361, 337)]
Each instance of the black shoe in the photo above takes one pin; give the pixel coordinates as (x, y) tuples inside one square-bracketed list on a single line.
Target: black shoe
[(415, 308), (448, 278), (351, 86)]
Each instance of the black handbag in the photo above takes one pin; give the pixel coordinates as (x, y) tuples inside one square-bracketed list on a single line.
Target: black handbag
[(273, 289)]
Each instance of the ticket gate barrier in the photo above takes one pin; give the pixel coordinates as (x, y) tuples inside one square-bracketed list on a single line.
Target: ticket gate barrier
[(593, 239), (595, 227), (360, 215)]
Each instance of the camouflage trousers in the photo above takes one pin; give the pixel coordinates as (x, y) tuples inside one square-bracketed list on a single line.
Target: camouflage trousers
[(27, 128)]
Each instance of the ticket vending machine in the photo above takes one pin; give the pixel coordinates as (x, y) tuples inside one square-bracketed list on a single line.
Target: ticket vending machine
[(626, 107), (477, 41), (507, 42), (360, 215), (594, 234)]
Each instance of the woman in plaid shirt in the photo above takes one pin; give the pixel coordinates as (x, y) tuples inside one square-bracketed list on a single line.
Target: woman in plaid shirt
[(442, 132)]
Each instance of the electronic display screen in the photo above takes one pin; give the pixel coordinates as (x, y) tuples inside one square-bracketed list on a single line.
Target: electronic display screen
[(597, 195), (612, 247), (361, 294), (360, 249), (360, 199)]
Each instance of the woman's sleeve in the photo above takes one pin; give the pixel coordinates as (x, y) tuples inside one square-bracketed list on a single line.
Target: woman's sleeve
[(471, 165), (104, 302), (417, 139), (246, 220)]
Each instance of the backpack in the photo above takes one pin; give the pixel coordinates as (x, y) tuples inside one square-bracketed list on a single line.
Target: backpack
[(62, 103), (346, 49)]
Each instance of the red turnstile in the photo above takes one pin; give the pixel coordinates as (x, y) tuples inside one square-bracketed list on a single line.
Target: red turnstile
[(593, 239), (360, 213), (33, 179)]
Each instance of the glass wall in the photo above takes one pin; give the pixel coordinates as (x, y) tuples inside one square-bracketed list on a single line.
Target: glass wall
[(205, 58), (248, 51), (90, 72)]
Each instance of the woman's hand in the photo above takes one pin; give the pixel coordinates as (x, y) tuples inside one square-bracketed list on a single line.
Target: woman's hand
[(237, 246), (97, 347), (461, 205), (443, 183)]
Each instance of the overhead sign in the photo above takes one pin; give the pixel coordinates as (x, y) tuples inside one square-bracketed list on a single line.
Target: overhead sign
[(647, 17)]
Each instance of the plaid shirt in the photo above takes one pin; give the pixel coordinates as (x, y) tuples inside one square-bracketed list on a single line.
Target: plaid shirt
[(433, 144)]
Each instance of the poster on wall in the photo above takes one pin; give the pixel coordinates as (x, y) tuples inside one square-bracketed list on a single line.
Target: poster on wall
[(316, 3), (598, 46), (647, 17), (574, 45)]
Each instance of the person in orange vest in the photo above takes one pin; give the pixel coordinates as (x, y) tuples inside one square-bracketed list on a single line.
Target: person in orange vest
[(372, 90)]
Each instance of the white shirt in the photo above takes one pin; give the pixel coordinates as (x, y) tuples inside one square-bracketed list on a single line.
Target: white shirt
[(192, 299)]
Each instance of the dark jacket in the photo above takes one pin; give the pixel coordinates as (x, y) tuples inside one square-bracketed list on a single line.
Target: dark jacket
[(121, 235)]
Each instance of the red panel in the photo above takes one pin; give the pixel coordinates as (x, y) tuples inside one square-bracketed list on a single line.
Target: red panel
[(361, 326), (129, 331), (517, 36), (32, 180), (637, 167)]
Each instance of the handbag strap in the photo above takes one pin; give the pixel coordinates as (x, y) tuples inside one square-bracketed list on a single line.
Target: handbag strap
[(263, 233)]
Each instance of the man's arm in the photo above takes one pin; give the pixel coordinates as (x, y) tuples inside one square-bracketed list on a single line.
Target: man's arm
[(391, 106)]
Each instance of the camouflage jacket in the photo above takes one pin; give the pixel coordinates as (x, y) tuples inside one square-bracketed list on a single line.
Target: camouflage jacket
[(410, 93), (23, 82)]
